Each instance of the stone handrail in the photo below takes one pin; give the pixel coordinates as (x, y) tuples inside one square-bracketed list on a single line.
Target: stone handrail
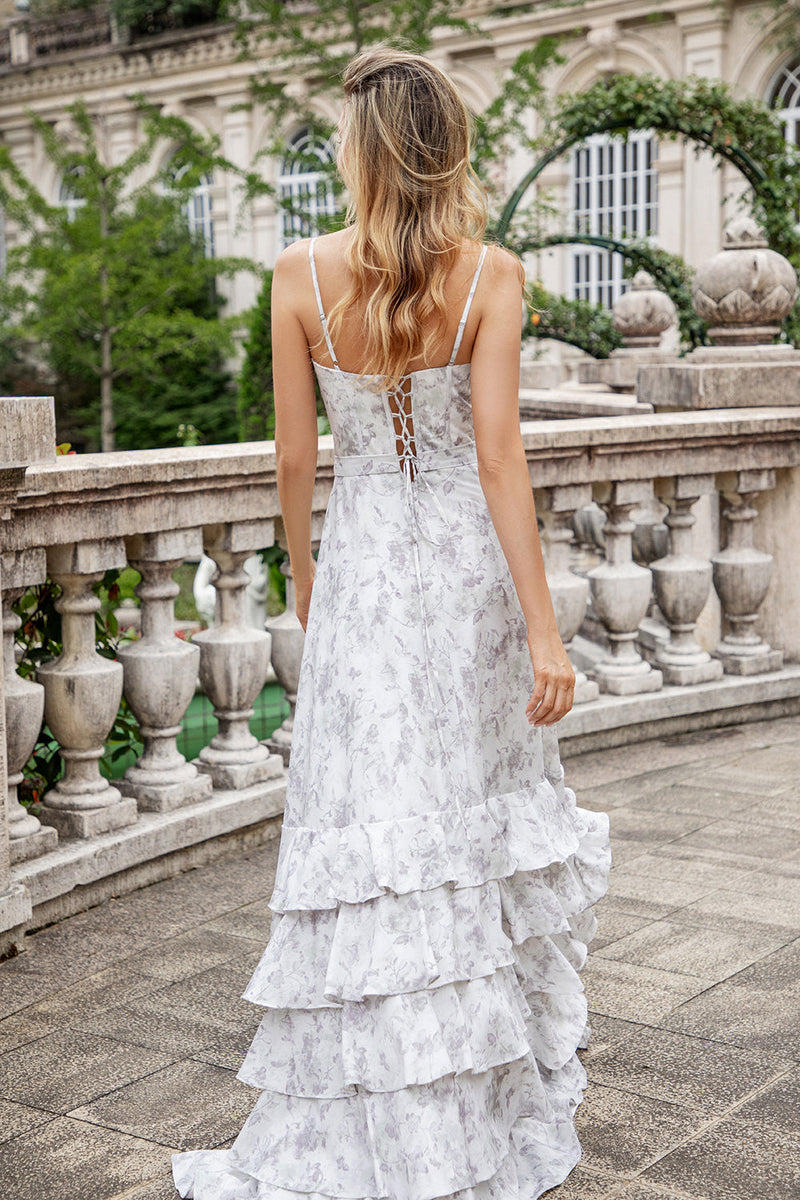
[(77, 516)]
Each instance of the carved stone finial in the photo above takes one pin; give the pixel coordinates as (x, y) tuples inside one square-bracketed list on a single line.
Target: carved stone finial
[(642, 314), (745, 290)]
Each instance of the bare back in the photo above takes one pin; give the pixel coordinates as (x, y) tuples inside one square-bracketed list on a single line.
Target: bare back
[(334, 278)]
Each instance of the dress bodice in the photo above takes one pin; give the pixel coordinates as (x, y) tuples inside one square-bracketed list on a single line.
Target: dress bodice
[(363, 421), (427, 417)]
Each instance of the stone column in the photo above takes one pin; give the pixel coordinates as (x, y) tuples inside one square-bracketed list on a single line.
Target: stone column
[(741, 578), (682, 584), (28, 838), (621, 593), (234, 661), (160, 677), (570, 592), (288, 638), (82, 695)]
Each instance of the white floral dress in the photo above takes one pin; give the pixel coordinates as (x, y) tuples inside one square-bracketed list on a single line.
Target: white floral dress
[(432, 902)]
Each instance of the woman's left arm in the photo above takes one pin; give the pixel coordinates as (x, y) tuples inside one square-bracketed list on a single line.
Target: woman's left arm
[(295, 417)]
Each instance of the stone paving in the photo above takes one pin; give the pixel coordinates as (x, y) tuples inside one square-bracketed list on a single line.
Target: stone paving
[(123, 1027)]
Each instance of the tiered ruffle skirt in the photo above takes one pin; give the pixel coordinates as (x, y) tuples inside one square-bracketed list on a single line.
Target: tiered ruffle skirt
[(424, 1009)]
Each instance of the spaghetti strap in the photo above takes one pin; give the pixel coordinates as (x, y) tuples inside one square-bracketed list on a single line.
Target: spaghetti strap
[(462, 323), (323, 319)]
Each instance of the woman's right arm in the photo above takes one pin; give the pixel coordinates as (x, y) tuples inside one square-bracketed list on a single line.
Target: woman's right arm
[(506, 484)]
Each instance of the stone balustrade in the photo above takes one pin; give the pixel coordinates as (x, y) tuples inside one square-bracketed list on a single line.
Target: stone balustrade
[(75, 517)]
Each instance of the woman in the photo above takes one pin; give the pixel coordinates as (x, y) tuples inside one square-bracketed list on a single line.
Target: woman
[(435, 879)]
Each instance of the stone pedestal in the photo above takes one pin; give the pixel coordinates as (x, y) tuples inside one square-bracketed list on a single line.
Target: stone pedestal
[(82, 695), (642, 315), (724, 377), (682, 583), (741, 577), (160, 677), (744, 292), (620, 371), (621, 593)]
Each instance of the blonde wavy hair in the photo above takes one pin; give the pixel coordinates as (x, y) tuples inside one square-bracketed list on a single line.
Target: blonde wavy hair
[(414, 197)]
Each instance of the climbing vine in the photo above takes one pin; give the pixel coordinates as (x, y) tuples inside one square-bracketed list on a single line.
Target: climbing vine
[(744, 132)]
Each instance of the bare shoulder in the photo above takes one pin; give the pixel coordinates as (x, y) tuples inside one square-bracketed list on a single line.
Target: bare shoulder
[(292, 259), (504, 266)]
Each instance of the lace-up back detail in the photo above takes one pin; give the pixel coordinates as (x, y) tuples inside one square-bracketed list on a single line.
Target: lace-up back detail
[(400, 424)]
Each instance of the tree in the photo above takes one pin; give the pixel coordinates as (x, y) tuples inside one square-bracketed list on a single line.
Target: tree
[(114, 288), (256, 400)]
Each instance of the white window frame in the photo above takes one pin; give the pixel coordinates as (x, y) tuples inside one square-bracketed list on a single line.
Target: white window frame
[(310, 191), (199, 209), (783, 97), (613, 193)]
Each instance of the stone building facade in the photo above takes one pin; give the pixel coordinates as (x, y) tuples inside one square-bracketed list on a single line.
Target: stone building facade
[(644, 185)]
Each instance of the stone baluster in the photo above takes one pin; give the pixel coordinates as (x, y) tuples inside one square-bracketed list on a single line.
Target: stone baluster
[(741, 577), (288, 638), (28, 838), (682, 583), (160, 677), (82, 695), (621, 591), (570, 592), (234, 661)]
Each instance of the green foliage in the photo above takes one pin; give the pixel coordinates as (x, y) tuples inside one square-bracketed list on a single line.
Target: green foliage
[(256, 405), (40, 639), (575, 322), (741, 131), (144, 18), (118, 294)]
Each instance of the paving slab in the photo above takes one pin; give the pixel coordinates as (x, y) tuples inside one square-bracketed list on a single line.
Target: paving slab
[(776, 1105), (641, 994), (733, 1160), (753, 1018), (65, 1069), (19, 1118), (190, 953), (624, 1132), (693, 1071), (69, 1160), (583, 1183), (188, 1106), (712, 953), (747, 915)]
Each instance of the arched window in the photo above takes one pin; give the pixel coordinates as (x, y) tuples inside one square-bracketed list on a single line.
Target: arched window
[(68, 195), (784, 98), (199, 213), (614, 194), (305, 186)]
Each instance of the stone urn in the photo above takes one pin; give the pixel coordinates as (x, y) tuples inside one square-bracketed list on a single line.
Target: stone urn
[(644, 313), (746, 290)]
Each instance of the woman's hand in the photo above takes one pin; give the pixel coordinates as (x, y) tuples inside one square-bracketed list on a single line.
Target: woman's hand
[(554, 680), (302, 588)]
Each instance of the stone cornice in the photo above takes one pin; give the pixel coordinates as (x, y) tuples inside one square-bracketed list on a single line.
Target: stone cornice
[(127, 65)]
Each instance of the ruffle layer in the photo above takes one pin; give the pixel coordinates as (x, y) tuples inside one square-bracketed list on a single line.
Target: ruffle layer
[(398, 943), (472, 1135), (525, 830)]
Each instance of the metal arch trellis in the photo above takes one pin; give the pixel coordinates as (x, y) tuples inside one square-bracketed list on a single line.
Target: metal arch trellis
[(753, 173)]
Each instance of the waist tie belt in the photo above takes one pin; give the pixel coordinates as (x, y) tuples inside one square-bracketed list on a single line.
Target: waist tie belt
[(389, 464)]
